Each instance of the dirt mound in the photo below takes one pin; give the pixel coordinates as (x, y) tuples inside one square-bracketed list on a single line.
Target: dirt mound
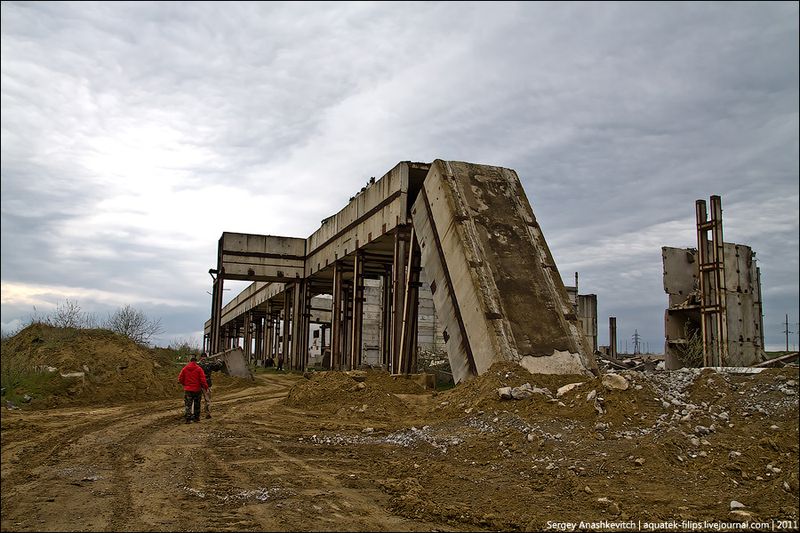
[(88, 366), (339, 392), (393, 384)]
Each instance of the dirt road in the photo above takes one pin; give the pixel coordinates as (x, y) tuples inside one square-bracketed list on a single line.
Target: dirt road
[(376, 461)]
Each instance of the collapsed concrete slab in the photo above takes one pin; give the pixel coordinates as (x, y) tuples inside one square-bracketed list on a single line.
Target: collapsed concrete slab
[(235, 363), (495, 284)]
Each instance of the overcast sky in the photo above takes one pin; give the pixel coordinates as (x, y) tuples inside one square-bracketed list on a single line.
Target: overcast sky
[(134, 134)]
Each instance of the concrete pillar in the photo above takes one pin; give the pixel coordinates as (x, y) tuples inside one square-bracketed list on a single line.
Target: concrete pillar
[(287, 313), (358, 311), (216, 342), (612, 337), (269, 329), (408, 340), (259, 333), (398, 293), (248, 336), (299, 345), (336, 318), (386, 317), (347, 323)]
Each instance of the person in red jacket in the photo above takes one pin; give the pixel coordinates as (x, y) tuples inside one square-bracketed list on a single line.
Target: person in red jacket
[(194, 383)]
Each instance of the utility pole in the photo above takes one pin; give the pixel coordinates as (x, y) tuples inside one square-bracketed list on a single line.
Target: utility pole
[(786, 331)]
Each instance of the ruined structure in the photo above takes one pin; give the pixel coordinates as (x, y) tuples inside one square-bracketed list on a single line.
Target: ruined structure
[(465, 231), (714, 316)]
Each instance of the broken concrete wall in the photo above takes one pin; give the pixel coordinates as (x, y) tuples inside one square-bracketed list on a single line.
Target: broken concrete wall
[(235, 363), (495, 285), (682, 323)]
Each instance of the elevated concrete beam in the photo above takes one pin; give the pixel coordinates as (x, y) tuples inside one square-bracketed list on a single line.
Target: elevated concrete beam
[(249, 257)]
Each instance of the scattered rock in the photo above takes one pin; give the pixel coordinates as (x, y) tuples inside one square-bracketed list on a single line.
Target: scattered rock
[(639, 461), (566, 388), (591, 395), (504, 393), (615, 381), (367, 430), (587, 490), (26, 398), (737, 505)]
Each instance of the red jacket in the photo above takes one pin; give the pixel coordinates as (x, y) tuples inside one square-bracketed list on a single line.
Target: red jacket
[(192, 377)]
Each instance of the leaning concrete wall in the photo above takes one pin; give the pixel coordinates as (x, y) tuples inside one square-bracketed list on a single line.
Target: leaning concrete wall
[(495, 285)]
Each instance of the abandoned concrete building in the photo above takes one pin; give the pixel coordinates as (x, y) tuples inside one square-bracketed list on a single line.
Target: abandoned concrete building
[(446, 254), (714, 315)]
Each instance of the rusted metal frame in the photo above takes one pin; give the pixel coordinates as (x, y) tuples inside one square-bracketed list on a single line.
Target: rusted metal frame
[(336, 317), (720, 294), (706, 328), (450, 287), (398, 294), (358, 310)]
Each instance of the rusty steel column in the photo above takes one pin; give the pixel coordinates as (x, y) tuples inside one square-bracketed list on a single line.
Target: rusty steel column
[(711, 273), (408, 339), (398, 293), (358, 311), (718, 258), (336, 318)]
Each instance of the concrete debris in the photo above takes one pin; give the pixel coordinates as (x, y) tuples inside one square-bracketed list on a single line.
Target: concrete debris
[(615, 381), (737, 505), (566, 388), (591, 395)]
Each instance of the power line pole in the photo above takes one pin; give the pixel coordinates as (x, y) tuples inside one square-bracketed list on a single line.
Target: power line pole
[(786, 331), (636, 337)]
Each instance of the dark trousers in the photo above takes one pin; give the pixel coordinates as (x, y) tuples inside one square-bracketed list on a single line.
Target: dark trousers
[(191, 400)]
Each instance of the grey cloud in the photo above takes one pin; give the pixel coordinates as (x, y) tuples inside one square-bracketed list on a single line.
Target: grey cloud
[(616, 116)]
